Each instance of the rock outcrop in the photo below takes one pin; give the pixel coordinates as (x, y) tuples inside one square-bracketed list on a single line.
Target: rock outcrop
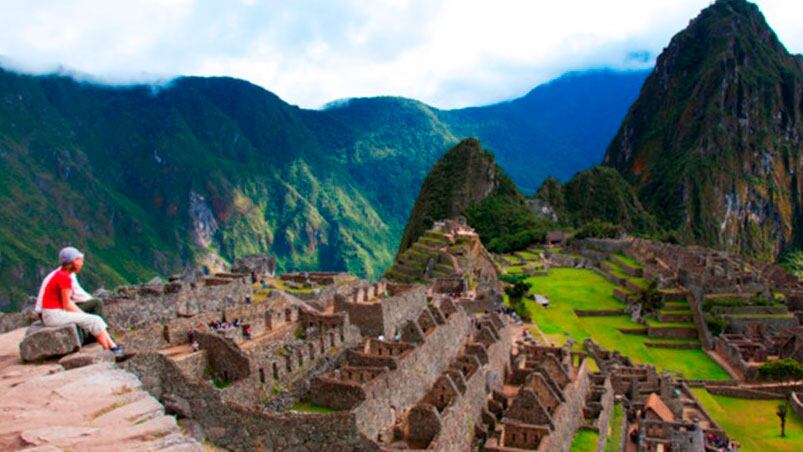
[(93, 408)]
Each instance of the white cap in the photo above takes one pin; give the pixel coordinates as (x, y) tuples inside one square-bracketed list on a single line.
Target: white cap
[(69, 254)]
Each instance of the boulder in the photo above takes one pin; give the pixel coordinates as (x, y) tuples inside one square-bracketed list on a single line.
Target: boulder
[(91, 354), (42, 342), (177, 405)]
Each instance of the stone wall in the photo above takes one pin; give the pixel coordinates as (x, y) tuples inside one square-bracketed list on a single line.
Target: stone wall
[(239, 428), (390, 391), (418, 371), (457, 421), (740, 325), (796, 401), (672, 332), (140, 306), (569, 415), (12, 321), (604, 420), (383, 316)]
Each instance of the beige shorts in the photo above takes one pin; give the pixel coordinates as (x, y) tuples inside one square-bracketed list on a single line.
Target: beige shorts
[(55, 317)]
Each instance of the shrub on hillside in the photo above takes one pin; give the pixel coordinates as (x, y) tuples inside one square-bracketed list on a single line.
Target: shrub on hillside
[(518, 241), (716, 325), (781, 370), (599, 229), (793, 263)]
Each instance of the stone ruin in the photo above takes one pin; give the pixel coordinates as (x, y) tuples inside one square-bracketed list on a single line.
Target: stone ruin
[(746, 352), (542, 402), (661, 413), (380, 309)]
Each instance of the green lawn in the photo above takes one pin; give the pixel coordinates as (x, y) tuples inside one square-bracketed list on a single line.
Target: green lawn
[(615, 428), (628, 260), (307, 407), (569, 289), (528, 255), (656, 323), (761, 316), (585, 441), (753, 422)]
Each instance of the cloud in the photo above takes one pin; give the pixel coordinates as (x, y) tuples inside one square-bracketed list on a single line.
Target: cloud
[(448, 53)]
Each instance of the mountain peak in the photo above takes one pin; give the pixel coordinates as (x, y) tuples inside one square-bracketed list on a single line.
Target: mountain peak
[(712, 143)]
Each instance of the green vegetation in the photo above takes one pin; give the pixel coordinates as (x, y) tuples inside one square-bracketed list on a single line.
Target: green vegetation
[(753, 423), (221, 383), (514, 293), (793, 262), (599, 229), (110, 170), (781, 370), (650, 298), (627, 260), (570, 289), (585, 440), (310, 408), (602, 195), (615, 434), (466, 181)]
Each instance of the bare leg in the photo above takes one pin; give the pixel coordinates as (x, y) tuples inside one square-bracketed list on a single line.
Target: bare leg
[(105, 340)]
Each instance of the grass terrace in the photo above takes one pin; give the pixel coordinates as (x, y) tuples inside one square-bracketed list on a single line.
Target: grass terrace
[(585, 441), (627, 260), (310, 408), (569, 289), (753, 423), (615, 428)]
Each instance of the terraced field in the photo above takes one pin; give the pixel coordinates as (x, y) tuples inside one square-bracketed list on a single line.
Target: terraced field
[(570, 289), (585, 441), (753, 423), (412, 264)]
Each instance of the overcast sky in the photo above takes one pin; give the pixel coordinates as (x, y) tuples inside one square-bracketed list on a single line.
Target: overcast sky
[(448, 53)]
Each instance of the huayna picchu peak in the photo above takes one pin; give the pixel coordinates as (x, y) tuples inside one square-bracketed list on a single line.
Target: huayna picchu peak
[(467, 182), (713, 143)]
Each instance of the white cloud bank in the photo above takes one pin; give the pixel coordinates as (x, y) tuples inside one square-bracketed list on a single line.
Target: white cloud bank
[(448, 52)]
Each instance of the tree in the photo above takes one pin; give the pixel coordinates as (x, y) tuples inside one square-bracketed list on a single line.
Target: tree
[(781, 413), (650, 298)]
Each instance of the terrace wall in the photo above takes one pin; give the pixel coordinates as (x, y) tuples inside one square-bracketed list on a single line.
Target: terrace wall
[(239, 428), (457, 420)]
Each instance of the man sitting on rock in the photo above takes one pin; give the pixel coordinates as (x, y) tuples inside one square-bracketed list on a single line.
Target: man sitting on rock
[(81, 297), (58, 307)]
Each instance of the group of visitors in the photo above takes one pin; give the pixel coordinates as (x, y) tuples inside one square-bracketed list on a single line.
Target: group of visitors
[(224, 327)]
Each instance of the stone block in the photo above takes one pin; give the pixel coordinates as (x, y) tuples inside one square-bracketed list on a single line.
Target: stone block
[(42, 342), (92, 354)]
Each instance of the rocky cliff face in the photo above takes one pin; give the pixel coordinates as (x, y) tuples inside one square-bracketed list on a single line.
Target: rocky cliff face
[(713, 143)]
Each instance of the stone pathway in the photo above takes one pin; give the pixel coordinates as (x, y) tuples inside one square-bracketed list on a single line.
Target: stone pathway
[(97, 407)]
